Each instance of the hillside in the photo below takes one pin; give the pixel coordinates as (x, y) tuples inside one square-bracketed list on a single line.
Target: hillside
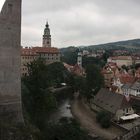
[(128, 44)]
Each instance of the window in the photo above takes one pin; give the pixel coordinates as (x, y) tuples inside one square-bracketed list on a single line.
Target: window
[(10, 8), (127, 110)]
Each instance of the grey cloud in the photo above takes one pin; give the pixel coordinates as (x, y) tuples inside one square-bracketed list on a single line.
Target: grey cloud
[(80, 21)]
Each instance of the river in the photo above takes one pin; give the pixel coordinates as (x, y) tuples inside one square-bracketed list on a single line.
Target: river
[(62, 111)]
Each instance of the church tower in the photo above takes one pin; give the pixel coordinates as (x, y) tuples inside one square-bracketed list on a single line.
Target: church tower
[(79, 59), (47, 36)]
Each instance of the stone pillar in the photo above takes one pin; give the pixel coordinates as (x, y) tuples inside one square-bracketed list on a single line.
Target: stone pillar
[(10, 78)]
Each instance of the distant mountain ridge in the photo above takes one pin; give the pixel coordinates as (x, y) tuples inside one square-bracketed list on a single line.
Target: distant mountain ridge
[(133, 44), (128, 44)]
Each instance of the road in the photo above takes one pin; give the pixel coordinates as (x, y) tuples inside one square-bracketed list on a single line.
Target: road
[(87, 119)]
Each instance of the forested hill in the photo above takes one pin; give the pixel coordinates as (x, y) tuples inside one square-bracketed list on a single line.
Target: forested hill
[(128, 44)]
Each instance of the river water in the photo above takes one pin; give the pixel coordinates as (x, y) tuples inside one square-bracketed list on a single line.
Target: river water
[(62, 111)]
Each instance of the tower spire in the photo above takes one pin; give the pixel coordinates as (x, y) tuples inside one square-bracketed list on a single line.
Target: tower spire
[(47, 23), (46, 36)]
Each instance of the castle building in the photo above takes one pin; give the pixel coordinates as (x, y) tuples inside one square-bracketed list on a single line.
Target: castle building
[(47, 52), (46, 37)]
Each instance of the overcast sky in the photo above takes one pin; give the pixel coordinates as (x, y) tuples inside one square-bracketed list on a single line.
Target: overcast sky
[(80, 22)]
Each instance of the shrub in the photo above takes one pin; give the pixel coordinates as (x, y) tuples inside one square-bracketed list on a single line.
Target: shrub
[(104, 118)]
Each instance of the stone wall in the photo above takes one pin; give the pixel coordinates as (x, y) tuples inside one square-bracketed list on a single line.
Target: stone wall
[(10, 79)]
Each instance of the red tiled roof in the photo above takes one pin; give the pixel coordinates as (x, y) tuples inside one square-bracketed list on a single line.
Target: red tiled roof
[(68, 67), (126, 78), (120, 51), (113, 88), (36, 50), (78, 70), (46, 50), (28, 51), (121, 58)]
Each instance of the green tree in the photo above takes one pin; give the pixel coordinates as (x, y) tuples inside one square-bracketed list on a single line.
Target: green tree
[(57, 73), (104, 118), (125, 67), (66, 129), (69, 56), (38, 100), (94, 79), (79, 82), (106, 55), (92, 60)]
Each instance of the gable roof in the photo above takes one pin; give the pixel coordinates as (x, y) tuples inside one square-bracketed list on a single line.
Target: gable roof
[(135, 101), (110, 101), (136, 85)]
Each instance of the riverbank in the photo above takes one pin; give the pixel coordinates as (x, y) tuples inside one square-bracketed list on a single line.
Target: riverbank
[(87, 119)]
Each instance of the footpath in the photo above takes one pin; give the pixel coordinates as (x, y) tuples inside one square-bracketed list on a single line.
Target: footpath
[(87, 119)]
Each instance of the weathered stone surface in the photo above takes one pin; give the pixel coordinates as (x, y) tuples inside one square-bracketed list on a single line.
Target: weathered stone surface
[(10, 82)]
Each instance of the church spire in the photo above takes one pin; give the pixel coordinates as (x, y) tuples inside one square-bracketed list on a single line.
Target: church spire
[(47, 24), (47, 36)]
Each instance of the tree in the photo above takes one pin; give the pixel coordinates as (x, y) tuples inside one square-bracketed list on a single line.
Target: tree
[(92, 60), (125, 67), (94, 79), (106, 55), (79, 82), (38, 100), (56, 73), (104, 118), (19, 131), (137, 66), (65, 129), (69, 56)]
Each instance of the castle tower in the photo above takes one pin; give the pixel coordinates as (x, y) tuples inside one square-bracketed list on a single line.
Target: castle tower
[(47, 37), (10, 79), (79, 59)]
